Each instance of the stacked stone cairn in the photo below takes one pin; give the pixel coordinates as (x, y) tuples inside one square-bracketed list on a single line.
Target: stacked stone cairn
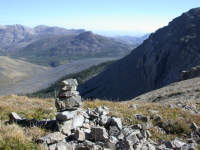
[(80, 129)]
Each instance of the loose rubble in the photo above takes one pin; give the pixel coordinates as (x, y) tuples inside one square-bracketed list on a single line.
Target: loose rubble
[(80, 129)]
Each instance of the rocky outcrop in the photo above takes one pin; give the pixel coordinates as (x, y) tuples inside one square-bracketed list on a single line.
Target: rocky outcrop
[(154, 64), (191, 73)]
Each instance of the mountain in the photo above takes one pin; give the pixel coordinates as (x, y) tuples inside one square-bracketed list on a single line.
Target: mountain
[(156, 63), (13, 71), (13, 37), (59, 49)]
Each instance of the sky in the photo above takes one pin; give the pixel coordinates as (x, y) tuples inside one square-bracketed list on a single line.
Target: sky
[(122, 17)]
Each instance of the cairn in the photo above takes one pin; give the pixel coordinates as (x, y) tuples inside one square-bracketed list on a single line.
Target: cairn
[(68, 97), (68, 103)]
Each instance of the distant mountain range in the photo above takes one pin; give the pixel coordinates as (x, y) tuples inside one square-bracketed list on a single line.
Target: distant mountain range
[(155, 63), (52, 46), (132, 40)]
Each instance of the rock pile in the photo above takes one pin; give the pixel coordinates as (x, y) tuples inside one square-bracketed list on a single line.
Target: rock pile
[(80, 129)]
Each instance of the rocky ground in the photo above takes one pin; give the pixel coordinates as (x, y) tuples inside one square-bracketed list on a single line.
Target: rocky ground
[(169, 122)]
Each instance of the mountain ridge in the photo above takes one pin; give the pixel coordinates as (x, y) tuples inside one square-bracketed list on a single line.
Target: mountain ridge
[(154, 64)]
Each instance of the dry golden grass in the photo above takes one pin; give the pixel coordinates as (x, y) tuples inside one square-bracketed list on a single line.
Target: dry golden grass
[(29, 107), (13, 137)]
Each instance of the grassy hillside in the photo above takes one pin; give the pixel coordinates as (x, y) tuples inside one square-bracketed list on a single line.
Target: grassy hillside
[(80, 76), (13, 71)]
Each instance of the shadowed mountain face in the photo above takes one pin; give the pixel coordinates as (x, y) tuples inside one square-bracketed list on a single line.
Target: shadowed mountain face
[(154, 64)]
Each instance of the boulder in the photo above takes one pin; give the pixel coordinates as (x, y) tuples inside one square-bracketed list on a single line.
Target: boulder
[(113, 121), (99, 134)]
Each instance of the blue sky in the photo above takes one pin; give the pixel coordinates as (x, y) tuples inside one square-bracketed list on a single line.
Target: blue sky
[(105, 16)]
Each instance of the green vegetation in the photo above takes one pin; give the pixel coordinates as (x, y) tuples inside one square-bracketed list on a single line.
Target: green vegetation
[(80, 76)]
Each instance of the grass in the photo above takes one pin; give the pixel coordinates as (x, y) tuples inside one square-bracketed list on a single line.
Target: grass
[(175, 121), (27, 107), (13, 137)]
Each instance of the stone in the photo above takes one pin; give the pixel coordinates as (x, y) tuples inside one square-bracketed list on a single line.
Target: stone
[(120, 137), (99, 134), (68, 88), (132, 138), (113, 140), (141, 118), (78, 120), (177, 143), (71, 103), (79, 135), (127, 131), (103, 120), (194, 126), (52, 138), (188, 147), (113, 121), (14, 116), (102, 110), (52, 147), (148, 134), (123, 145), (137, 126), (65, 115), (133, 106), (114, 131), (69, 82), (65, 127), (68, 94)]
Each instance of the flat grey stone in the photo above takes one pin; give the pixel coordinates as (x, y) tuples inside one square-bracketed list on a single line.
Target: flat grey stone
[(71, 103), (14, 116), (69, 82), (68, 94), (52, 138)]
